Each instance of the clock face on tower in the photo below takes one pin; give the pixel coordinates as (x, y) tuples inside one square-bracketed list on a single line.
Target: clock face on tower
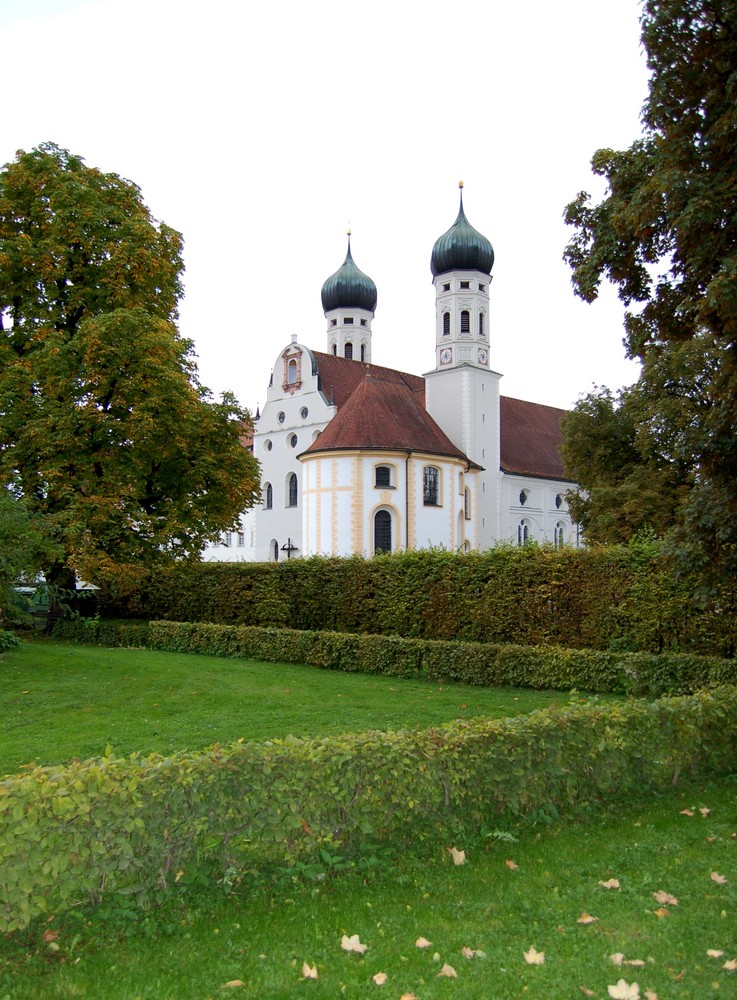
[(446, 356), (483, 356)]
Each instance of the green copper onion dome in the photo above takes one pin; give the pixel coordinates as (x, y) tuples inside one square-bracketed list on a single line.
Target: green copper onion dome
[(462, 248), (349, 288)]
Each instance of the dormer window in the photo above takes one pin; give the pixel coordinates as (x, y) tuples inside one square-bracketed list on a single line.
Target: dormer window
[(292, 372)]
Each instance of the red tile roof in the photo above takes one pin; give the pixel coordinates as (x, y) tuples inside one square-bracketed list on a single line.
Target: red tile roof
[(385, 414), (338, 377), (382, 408), (530, 438)]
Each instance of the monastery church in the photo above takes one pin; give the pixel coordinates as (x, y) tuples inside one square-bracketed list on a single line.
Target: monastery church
[(360, 459)]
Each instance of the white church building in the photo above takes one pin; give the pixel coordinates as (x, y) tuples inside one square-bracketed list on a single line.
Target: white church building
[(359, 459)]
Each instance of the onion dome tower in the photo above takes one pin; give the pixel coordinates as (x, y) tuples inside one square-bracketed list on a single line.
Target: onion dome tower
[(461, 263), (349, 302)]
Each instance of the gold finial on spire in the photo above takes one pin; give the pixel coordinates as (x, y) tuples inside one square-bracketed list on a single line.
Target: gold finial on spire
[(460, 185)]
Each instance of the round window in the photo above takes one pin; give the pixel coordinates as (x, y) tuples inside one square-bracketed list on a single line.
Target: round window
[(293, 441), (304, 412), (281, 416), (267, 445)]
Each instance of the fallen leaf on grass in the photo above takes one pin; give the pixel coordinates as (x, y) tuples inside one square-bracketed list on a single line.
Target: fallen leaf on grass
[(617, 958), (719, 879), (459, 857), (624, 991), (612, 883), (586, 918), (232, 983), (309, 971), (665, 897), (586, 991), (352, 944), (662, 912), (686, 812), (705, 812), (473, 953), (649, 995), (448, 971), (50, 936), (422, 942), (713, 953), (730, 965), (380, 978), (409, 996), (534, 957), (511, 865)]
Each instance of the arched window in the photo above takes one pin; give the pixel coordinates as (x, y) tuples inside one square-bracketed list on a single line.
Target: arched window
[(446, 324), (292, 372), (335, 349), (268, 496), (559, 535), (363, 352), (524, 532), (430, 486), (467, 504), (292, 490), (349, 350), (465, 321), (274, 550), (481, 325), (382, 531), (383, 476)]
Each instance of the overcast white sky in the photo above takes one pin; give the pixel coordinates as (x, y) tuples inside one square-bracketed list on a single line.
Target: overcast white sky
[(263, 130)]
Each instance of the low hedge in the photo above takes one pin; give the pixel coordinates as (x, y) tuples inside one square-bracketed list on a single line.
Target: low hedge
[(486, 664), (136, 826)]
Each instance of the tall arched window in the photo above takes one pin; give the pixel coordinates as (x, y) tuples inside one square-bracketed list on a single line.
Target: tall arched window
[(481, 325), (465, 321), (274, 550), (382, 531), (268, 496), (292, 490), (467, 504), (524, 532), (560, 535), (292, 372), (430, 486), (446, 324), (349, 350), (363, 352)]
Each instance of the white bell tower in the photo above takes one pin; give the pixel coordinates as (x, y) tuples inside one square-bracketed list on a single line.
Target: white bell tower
[(462, 392)]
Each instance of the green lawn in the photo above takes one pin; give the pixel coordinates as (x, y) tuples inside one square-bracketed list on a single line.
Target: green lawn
[(62, 701), (263, 932)]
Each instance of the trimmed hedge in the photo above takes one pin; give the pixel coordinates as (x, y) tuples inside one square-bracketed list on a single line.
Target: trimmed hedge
[(619, 598), (91, 830), (551, 668)]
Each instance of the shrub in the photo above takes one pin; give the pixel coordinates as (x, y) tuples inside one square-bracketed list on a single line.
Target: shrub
[(135, 826)]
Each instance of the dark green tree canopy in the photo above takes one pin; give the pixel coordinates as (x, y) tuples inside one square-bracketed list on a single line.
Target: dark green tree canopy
[(666, 235), (104, 426)]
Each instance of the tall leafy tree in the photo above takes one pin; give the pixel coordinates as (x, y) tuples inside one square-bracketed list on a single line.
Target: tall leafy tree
[(665, 234), (105, 429)]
